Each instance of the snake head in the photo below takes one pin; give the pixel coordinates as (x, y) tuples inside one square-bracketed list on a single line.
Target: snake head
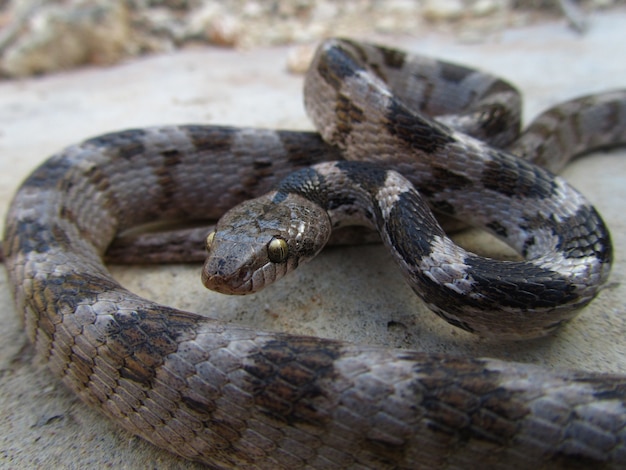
[(261, 240)]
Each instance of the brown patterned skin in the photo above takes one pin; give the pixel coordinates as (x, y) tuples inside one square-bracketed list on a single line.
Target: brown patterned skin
[(230, 396)]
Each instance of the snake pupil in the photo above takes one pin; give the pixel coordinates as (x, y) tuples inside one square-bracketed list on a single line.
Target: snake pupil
[(277, 250)]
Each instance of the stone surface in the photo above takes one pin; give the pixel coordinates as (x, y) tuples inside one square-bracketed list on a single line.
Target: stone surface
[(353, 293)]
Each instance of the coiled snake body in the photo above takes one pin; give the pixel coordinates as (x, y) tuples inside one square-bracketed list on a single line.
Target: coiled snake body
[(230, 396)]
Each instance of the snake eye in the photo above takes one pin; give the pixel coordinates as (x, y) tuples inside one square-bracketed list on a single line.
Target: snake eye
[(277, 250), (209, 241)]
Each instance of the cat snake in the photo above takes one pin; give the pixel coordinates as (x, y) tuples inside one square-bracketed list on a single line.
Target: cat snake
[(230, 396)]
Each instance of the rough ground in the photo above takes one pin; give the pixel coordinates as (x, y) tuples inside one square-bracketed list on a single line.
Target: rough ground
[(354, 293)]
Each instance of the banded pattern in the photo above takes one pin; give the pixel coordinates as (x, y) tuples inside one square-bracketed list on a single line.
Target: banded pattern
[(230, 396), (563, 238)]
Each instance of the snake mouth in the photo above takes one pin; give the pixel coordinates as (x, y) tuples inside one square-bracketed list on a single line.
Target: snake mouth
[(244, 280), (229, 285)]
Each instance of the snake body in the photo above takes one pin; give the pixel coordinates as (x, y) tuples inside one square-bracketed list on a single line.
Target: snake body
[(231, 396)]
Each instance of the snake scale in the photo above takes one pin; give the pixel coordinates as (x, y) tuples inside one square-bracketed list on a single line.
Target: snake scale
[(230, 396)]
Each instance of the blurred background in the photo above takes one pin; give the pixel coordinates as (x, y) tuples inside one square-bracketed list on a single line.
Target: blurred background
[(41, 36)]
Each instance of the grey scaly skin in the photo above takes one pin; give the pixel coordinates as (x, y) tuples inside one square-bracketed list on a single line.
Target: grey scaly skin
[(231, 396), (564, 240)]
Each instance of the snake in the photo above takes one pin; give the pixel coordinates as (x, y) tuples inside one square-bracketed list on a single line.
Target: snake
[(397, 135)]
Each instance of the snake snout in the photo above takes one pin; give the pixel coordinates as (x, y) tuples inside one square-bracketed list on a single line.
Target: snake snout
[(223, 276)]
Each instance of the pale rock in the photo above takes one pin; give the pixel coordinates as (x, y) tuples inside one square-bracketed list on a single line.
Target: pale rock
[(443, 10)]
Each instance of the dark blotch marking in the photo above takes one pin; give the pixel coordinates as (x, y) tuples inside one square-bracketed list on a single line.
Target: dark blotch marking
[(465, 401), (501, 176), (262, 168), (453, 72), (528, 244), (107, 200), (287, 378), (369, 178), (50, 173), (393, 58), (313, 186), (348, 114), (172, 157), (515, 178), (61, 174), (166, 178), (493, 120), (368, 175), (142, 336), (211, 138), (496, 123), (261, 165), (30, 235), (417, 132), (97, 178), (518, 285), (340, 201), (411, 228), (336, 66), (306, 182), (500, 86), (442, 180), (307, 148), (454, 181), (148, 334), (125, 144)]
